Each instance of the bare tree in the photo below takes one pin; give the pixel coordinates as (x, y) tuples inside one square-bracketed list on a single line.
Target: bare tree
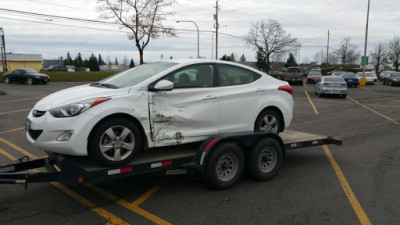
[(347, 53), (379, 56), (143, 18), (270, 38), (394, 51)]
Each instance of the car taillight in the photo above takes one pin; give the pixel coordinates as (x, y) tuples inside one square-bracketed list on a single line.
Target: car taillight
[(324, 84), (344, 84), (286, 88)]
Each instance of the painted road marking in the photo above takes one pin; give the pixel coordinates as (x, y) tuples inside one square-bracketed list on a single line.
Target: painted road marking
[(130, 206), (150, 192), (362, 216), (312, 104), (12, 130), (376, 112), (20, 100), (112, 219), (16, 111)]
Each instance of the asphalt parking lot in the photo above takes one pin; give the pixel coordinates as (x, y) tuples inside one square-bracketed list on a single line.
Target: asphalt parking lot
[(356, 183)]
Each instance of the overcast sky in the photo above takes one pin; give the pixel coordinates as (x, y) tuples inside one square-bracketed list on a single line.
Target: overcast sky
[(307, 20)]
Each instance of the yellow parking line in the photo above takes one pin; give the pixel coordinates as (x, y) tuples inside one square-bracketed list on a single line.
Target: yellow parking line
[(12, 130), (386, 117), (362, 216), (22, 110), (312, 104), (112, 219), (24, 152), (131, 206), (150, 192), (20, 100)]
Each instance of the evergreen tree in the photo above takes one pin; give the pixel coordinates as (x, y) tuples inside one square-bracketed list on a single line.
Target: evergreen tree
[(291, 61), (261, 60), (232, 58), (86, 63), (101, 61), (131, 64), (116, 61), (242, 58), (93, 63), (78, 61), (68, 60)]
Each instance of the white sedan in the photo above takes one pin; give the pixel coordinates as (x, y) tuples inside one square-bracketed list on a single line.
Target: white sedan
[(158, 104)]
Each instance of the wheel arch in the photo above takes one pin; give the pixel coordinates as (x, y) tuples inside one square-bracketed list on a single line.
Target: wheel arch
[(128, 117), (275, 109)]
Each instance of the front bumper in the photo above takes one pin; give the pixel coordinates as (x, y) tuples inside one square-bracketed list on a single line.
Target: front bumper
[(44, 130)]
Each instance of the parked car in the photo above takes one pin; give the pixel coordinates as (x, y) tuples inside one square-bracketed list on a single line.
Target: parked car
[(316, 69), (159, 104), (313, 77), (275, 73), (350, 79), (384, 74), (373, 73), (55, 68), (392, 79), (368, 75), (294, 74), (332, 85), (27, 75)]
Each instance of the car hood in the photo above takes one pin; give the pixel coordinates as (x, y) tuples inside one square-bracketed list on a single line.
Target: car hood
[(76, 94)]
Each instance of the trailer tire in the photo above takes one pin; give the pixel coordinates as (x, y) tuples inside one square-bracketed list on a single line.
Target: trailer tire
[(265, 159), (114, 135), (224, 166)]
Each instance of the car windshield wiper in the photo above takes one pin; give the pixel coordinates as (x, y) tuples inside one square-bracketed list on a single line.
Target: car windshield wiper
[(104, 85)]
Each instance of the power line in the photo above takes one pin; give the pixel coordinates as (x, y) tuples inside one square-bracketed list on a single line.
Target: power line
[(64, 6)]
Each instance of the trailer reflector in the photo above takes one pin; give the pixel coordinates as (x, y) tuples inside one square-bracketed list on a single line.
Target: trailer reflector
[(161, 164), (119, 171), (317, 142)]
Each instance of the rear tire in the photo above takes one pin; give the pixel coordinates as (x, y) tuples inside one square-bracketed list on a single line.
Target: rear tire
[(114, 142), (269, 120), (265, 159)]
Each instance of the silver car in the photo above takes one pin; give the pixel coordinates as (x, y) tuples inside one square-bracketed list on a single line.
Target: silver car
[(333, 85)]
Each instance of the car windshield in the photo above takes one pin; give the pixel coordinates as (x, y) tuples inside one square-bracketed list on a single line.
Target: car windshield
[(30, 71), (333, 79), (347, 74), (137, 74)]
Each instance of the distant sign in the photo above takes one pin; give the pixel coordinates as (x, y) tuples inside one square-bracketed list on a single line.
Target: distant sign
[(366, 61)]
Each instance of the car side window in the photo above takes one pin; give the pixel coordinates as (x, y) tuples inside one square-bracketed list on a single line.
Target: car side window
[(193, 76), (232, 75)]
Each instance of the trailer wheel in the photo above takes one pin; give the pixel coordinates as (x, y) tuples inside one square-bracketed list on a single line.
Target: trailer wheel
[(265, 159), (114, 142), (224, 166)]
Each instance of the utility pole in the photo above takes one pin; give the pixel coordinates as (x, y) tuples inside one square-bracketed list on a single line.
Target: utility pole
[(216, 26), (3, 50), (365, 46), (327, 51)]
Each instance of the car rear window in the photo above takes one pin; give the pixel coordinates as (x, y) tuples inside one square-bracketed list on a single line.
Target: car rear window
[(294, 70), (334, 79), (348, 75)]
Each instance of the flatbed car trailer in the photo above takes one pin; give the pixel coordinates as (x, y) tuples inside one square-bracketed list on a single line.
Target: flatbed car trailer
[(221, 159)]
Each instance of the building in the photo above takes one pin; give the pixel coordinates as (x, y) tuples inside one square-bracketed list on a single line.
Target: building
[(16, 61)]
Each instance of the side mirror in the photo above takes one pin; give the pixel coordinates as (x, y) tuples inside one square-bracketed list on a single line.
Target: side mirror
[(163, 85)]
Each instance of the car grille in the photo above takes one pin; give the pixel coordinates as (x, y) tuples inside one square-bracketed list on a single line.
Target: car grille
[(37, 113), (35, 133)]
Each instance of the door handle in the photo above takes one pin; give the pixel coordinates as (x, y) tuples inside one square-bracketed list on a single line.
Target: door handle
[(210, 97)]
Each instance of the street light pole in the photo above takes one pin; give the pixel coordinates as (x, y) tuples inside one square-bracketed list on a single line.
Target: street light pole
[(365, 46), (198, 35)]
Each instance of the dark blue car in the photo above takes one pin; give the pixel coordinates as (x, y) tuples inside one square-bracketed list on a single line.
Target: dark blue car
[(350, 79)]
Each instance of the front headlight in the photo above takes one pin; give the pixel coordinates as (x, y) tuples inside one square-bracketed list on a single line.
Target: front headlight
[(75, 109)]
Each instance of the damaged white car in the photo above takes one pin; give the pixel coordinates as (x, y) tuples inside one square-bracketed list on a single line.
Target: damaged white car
[(158, 104)]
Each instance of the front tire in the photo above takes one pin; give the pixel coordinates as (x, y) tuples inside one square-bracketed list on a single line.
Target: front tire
[(265, 159), (7, 80), (224, 166), (269, 120), (114, 142)]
